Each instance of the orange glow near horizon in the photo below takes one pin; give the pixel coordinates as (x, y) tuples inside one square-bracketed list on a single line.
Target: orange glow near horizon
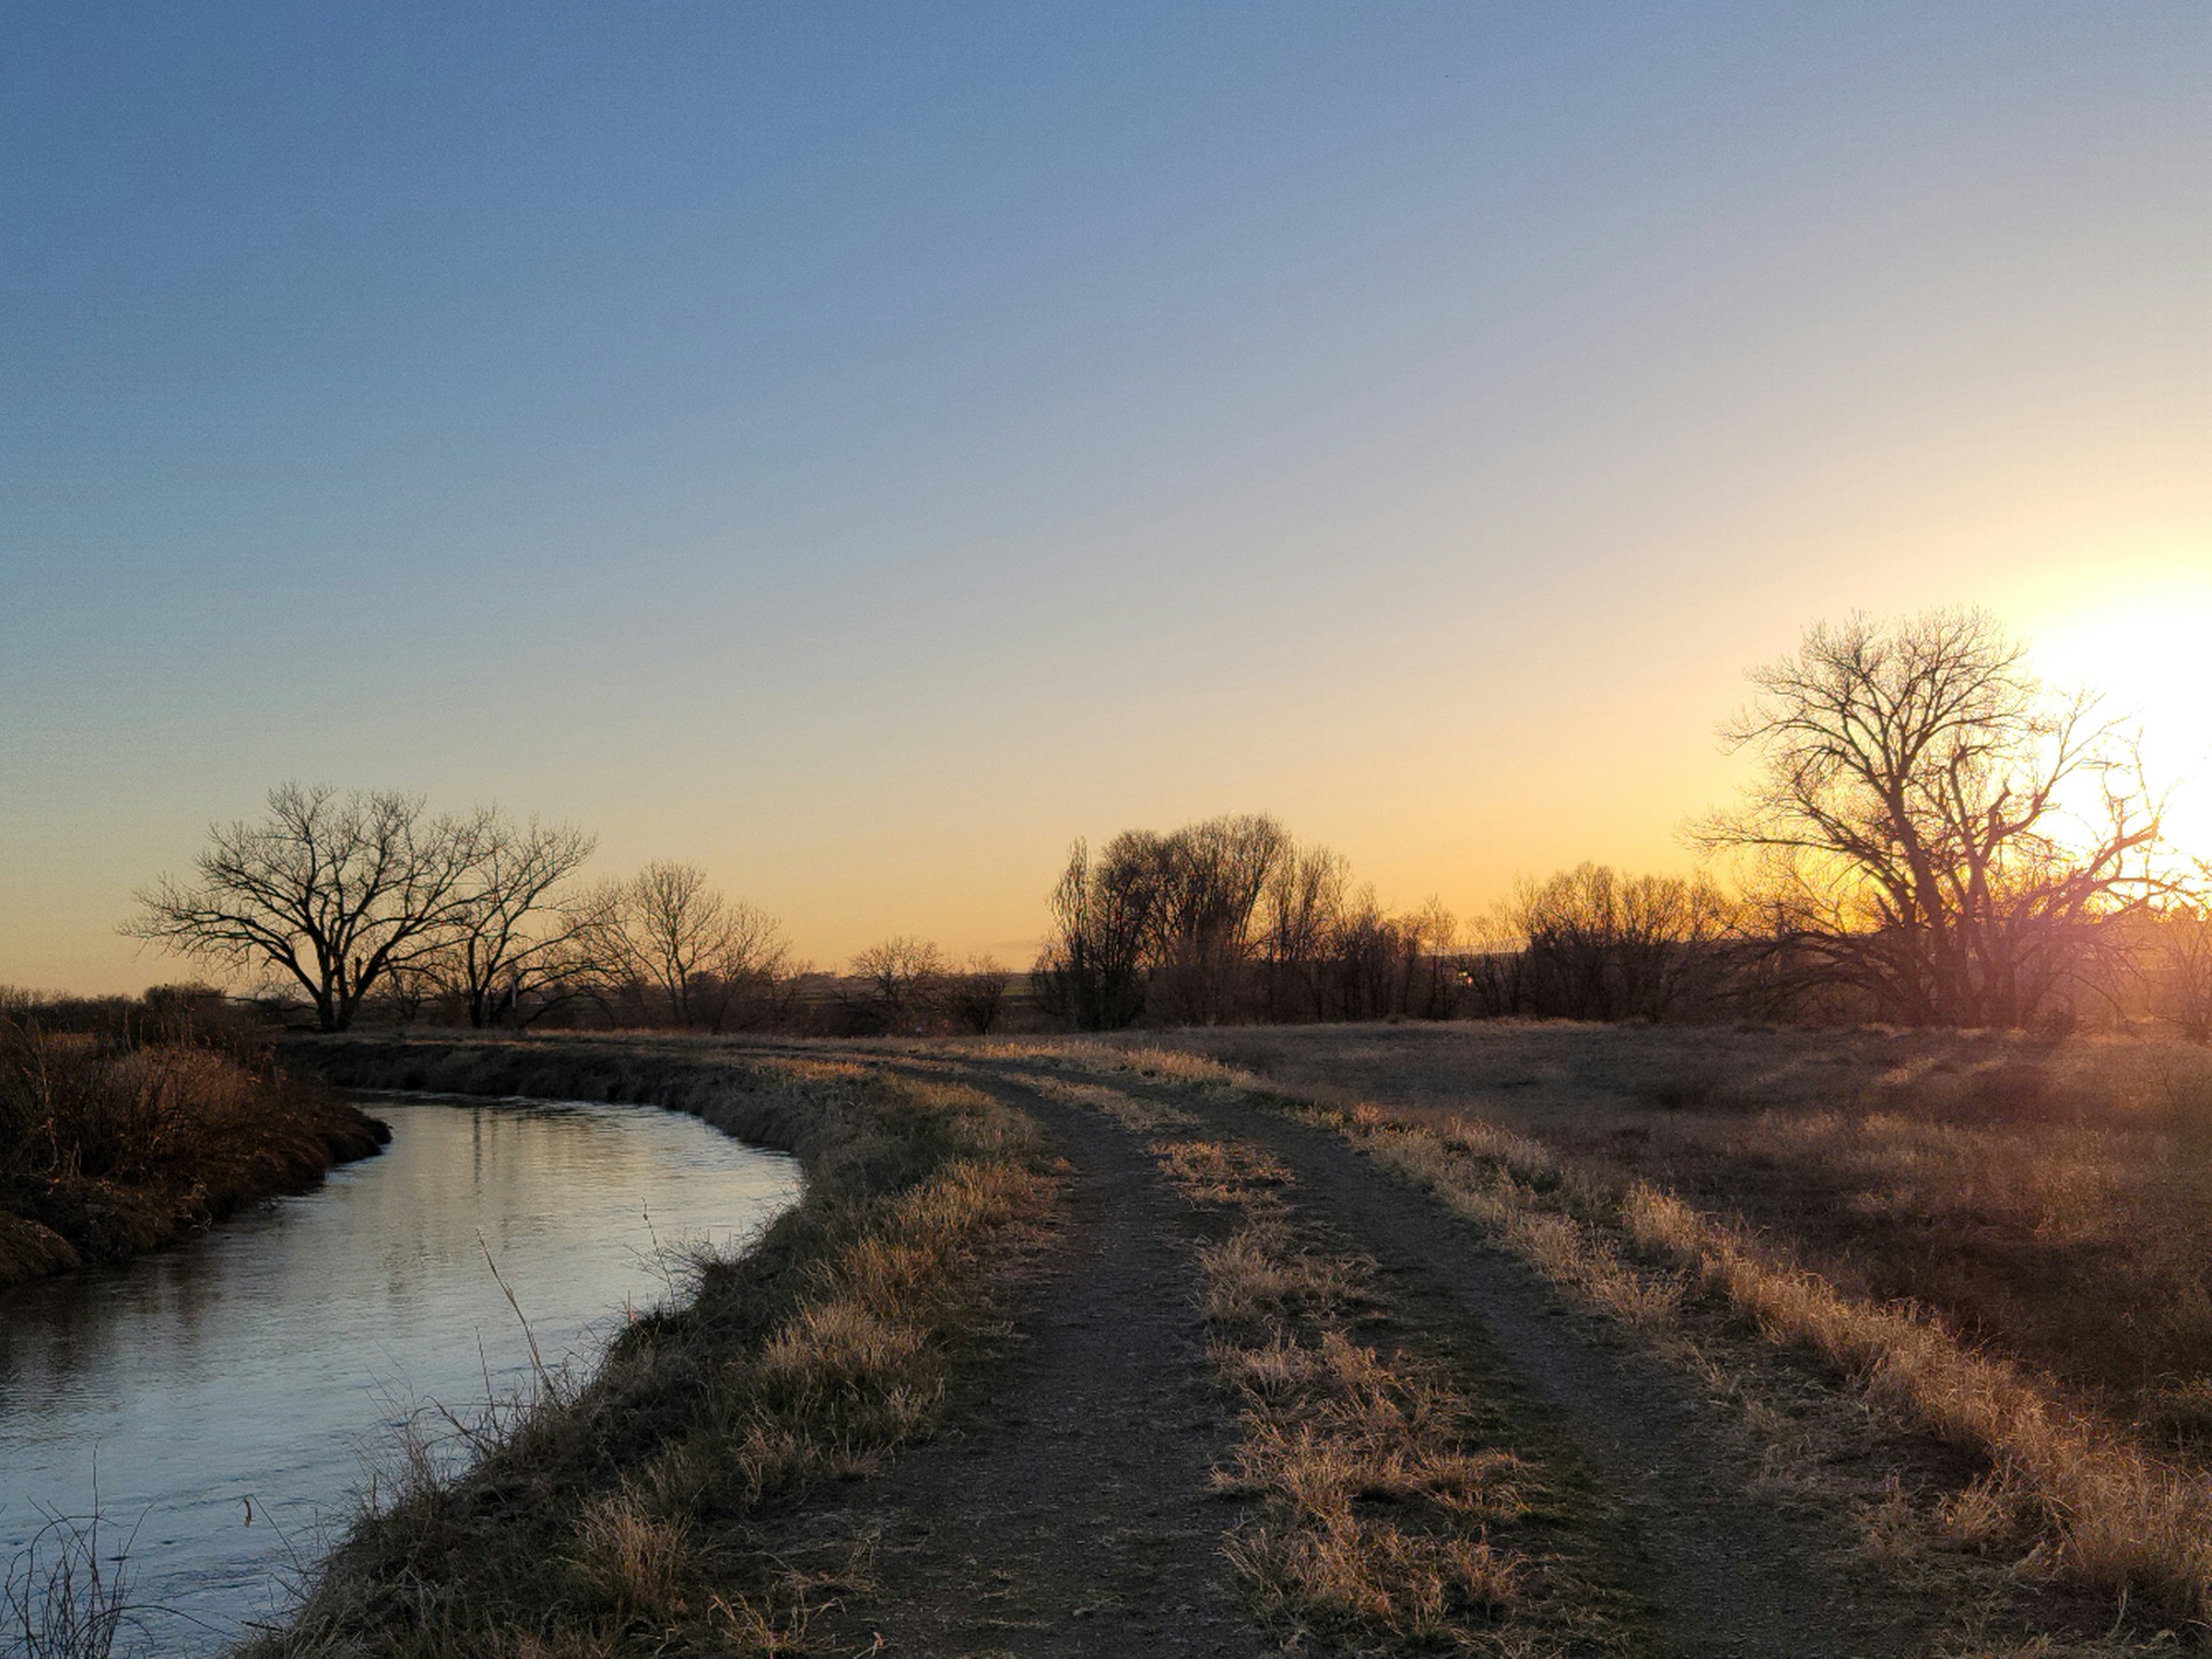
[(861, 463)]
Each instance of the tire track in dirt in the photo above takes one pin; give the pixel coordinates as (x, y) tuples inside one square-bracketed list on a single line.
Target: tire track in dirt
[(1721, 1570), (1064, 1509)]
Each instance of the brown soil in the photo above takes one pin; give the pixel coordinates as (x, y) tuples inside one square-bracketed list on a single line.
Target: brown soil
[(1064, 1509)]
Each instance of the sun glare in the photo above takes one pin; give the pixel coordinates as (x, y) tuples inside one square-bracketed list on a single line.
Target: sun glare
[(2149, 661)]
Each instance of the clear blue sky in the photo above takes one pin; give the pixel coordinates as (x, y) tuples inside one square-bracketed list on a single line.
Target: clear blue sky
[(861, 449)]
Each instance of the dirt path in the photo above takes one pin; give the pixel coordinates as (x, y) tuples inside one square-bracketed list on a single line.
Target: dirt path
[(1065, 1510), (1718, 1570)]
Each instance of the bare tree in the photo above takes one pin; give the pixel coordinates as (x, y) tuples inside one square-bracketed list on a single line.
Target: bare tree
[(2173, 958), (514, 941), (1934, 832), (1231, 919), (702, 952), (1433, 977), (1208, 880), (1162, 925), (977, 994), (903, 983), (1093, 970), (333, 891), (1304, 921)]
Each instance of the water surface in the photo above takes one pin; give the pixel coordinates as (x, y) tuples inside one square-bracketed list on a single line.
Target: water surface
[(232, 1394)]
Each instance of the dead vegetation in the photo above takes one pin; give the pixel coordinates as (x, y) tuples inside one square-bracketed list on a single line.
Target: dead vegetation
[(122, 1129), (66, 1592), (1878, 1138), (2052, 1201), (627, 1516), (1376, 1501), (1377, 1489)]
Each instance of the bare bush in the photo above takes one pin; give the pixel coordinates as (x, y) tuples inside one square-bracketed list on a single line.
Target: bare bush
[(903, 986), (2174, 956), (1595, 944), (62, 1598), (976, 996)]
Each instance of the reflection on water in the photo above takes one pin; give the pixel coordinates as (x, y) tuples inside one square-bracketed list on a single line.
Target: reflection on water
[(231, 1393)]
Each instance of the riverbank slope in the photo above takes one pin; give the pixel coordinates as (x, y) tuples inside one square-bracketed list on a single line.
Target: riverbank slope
[(621, 1513), (112, 1148)]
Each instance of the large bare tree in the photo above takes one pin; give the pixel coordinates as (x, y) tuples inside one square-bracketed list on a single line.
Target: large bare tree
[(335, 891), (1169, 927), (1932, 828), (1208, 883), (515, 942), (1092, 968), (1309, 894)]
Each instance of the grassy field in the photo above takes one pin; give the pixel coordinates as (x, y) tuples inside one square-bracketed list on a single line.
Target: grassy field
[(2051, 1200), (2004, 1240)]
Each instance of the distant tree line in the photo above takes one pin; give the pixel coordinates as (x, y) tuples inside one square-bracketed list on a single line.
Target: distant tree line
[(356, 898), (367, 904), (1232, 920), (1931, 836)]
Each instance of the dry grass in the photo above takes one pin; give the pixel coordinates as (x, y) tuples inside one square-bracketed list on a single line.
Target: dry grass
[(2093, 1507), (1142, 1117), (1376, 1496), (1905, 1205), (1376, 1509), (1219, 1172), (108, 1149), (2109, 1515), (622, 1519), (2051, 1200)]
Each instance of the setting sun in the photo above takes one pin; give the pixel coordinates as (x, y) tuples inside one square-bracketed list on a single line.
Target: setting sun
[(2151, 658)]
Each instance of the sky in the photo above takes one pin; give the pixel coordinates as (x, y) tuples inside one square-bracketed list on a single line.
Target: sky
[(860, 449)]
